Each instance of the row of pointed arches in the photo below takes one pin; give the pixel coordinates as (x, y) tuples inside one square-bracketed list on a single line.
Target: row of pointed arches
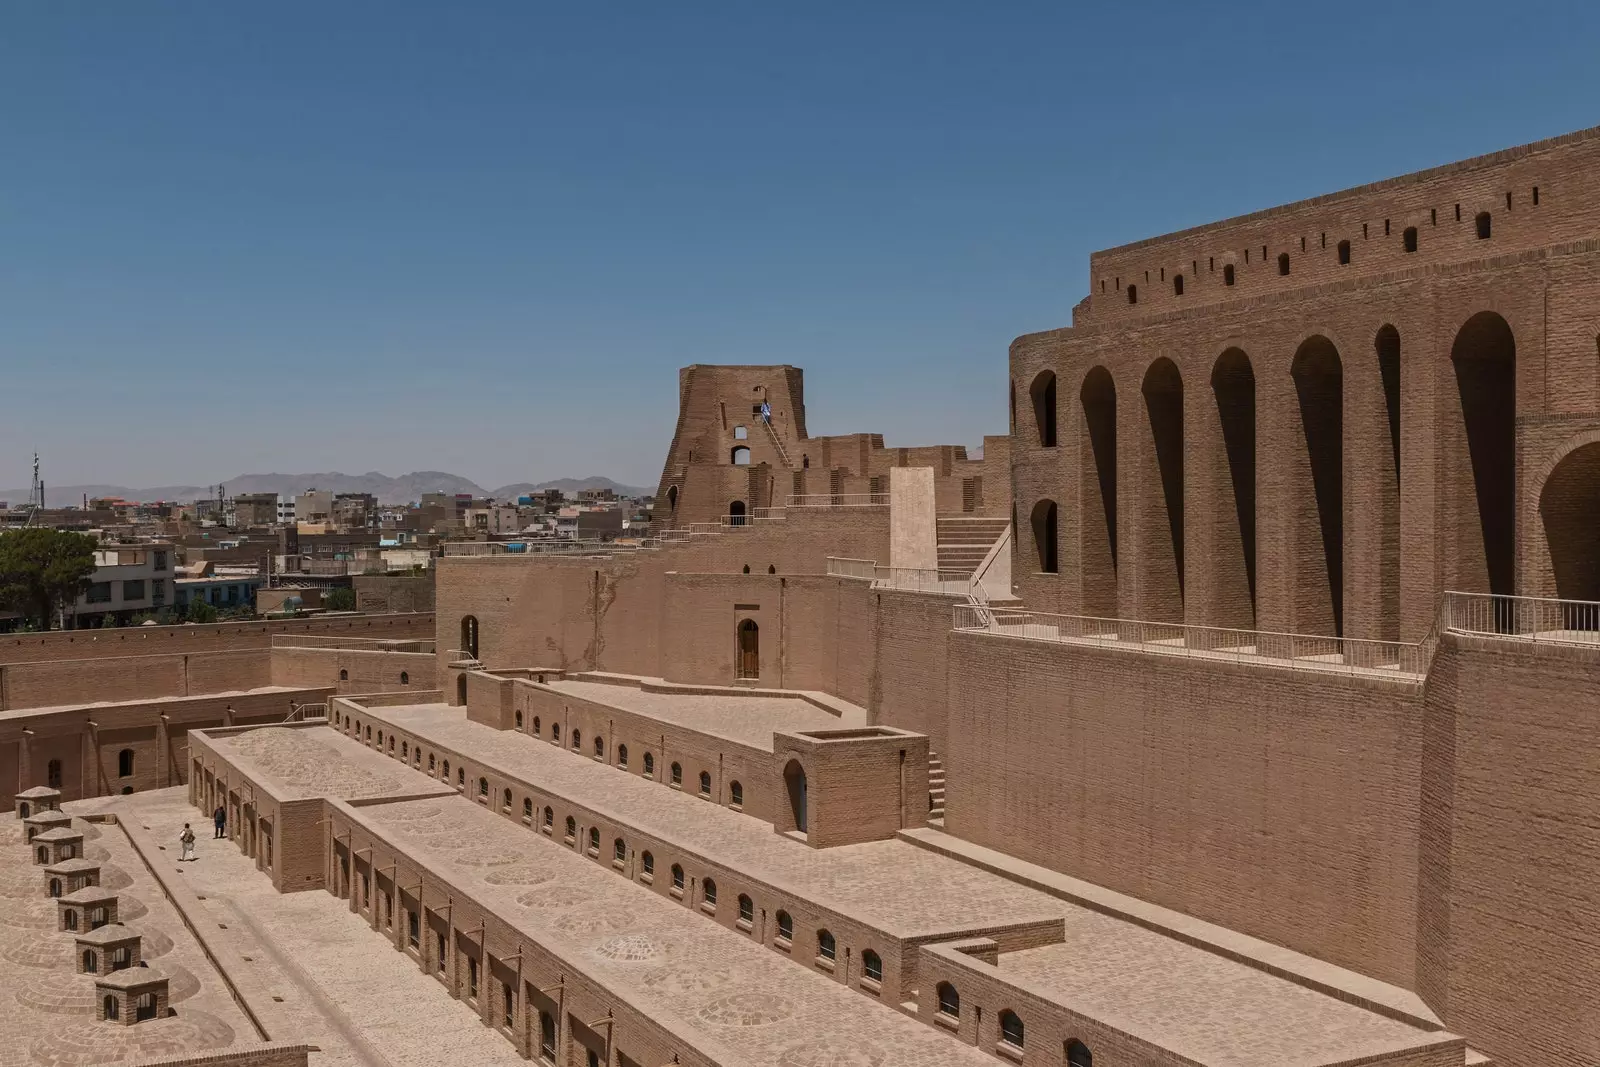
[(1343, 413)]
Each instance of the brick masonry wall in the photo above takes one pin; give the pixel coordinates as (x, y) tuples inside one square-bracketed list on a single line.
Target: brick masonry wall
[(1279, 803), (1544, 297), (353, 670), (726, 761), (50, 683), (212, 637), (90, 758), (1507, 913)]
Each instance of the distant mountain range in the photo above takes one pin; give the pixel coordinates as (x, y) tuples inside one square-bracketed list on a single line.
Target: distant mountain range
[(401, 490)]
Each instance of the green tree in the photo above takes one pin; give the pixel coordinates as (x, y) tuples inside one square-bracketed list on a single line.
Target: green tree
[(200, 611), (43, 570), (340, 600)]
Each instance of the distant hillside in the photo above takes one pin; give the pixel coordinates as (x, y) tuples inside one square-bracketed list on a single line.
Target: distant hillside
[(570, 486), (400, 490)]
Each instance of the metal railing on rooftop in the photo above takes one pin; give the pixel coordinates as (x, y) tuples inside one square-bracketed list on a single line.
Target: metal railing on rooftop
[(1335, 655), (1541, 620)]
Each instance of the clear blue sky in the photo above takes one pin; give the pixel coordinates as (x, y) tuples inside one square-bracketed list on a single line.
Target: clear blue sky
[(482, 236)]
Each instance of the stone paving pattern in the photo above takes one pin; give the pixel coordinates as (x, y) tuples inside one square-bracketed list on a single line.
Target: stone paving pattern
[(47, 1010), (744, 1003), (1186, 993), (747, 720)]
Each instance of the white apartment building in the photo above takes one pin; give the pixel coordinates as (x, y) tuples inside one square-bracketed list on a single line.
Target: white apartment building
[(128, 580)]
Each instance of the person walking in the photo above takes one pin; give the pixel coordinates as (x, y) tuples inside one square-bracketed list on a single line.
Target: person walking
[(186, 840), (219, 819)]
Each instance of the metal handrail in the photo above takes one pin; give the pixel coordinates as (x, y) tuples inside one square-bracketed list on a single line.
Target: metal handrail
[(1541, 620), (1340, 655)]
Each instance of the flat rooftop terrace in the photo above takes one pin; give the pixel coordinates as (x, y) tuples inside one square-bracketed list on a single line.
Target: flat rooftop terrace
[(747, 720), (720, 992), (891, 885), (298, 762), (1203, 1006), (1157, 988)]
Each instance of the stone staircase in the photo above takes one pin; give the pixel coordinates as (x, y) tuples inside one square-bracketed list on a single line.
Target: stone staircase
[(935, 788), (964, 541)]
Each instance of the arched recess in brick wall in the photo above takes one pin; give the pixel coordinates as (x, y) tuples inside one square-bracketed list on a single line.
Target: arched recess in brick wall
[(469, 636), (1316, 489), (749, 650), (794, 780), (1097, 493), (1045, 526), (1387, 346), (1160, 514), (736, 513), (1043, 393), (1232, 474), (1480, 449), (1569, 509)]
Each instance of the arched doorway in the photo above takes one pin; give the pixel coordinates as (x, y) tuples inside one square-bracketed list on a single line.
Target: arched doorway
[(1481, 452), (794, 780), (1316, 489), (1097, 489), (736, 513), (469, 636), (1233, 476), (749, 649), (1569, 508), (1161, 495)]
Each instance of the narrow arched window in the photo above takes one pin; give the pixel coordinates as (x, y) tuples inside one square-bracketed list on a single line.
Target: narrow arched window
[(1409, 239), (740, 456), (519, 720), (705, 784), (1483, 225), (577, 740), (1133, 293), (649, 765), (549, 817), (1177, 285), (572, 827), (708, 892), (91, 963), (872, 965), (825, 945), (1078, 1054), (785, 926), (1011, 1029), (677, 876), (405, 678), (547, 1036), (619, 850), (622, 756), (483, 787), (747, 908), (736, 794), (1344, 253), (555, 732), (1227, 274), (344, 676), (125, 763), (594, 839), (527, 809), (505, 801), (446, 770), (647, 863), (108, 1007), (600, 748), (677, 774), (949, 1000), (1283, 263)]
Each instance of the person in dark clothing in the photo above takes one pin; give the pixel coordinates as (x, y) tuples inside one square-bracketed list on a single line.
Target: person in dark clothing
[(219, 819)]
